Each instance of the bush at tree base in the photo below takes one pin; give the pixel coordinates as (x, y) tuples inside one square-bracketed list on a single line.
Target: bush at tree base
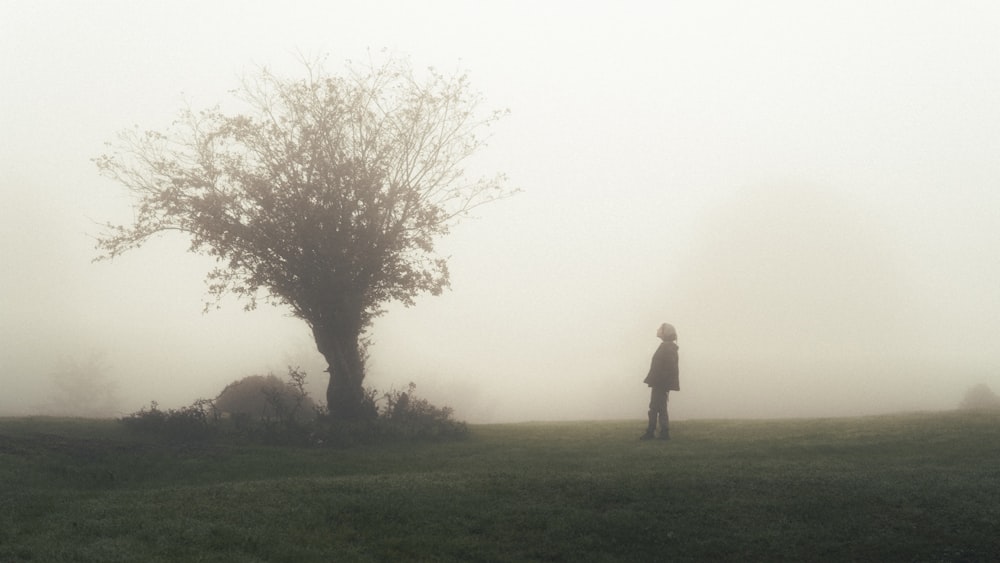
[(402, 417)]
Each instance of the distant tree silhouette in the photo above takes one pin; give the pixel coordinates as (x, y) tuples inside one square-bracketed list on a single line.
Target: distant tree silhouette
[(980, 397), (83, 388), (325, 194)]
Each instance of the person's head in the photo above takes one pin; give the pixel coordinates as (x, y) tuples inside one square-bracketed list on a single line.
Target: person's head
[(666, 332)]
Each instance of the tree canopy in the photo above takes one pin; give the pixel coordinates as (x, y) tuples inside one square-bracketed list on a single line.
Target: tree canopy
[(324, 194)]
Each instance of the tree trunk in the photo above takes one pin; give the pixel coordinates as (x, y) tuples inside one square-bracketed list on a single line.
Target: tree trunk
[(345, 395)]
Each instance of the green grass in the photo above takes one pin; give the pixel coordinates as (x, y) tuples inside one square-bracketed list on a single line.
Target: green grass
[(921, 487)]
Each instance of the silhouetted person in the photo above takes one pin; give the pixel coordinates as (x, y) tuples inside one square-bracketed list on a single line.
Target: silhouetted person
[(663, 378)]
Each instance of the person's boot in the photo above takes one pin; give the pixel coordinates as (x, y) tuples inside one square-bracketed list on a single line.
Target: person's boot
[(651, 428)]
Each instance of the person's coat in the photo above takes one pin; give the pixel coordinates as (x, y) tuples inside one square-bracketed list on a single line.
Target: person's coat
[(663, 370)]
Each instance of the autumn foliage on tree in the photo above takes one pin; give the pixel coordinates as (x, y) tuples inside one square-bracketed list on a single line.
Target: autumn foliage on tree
[(324, 194)]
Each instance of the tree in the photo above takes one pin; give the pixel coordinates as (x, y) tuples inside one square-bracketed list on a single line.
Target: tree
[(83, 388), (980, 397), (323, 194)]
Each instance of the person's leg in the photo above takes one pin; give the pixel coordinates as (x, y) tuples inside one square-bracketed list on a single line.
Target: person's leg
[(650, 428), (651, 415), (657, 408), (665, 419)]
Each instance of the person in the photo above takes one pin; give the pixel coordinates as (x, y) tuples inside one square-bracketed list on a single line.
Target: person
[(663, 378)]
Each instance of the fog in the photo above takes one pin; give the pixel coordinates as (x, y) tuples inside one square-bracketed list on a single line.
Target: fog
[(808, 191)]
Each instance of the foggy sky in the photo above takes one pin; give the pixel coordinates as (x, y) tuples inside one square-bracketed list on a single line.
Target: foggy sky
[(808, 191)]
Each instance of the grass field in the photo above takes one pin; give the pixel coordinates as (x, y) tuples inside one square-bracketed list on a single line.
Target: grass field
[(915, 487)]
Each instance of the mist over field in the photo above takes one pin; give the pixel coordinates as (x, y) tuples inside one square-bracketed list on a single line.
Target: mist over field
[(807, 191)]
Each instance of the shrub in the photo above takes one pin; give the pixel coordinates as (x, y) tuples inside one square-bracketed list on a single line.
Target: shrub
[(266, 399), (264, 409), (413, 416), (403, 416), (196, 422)]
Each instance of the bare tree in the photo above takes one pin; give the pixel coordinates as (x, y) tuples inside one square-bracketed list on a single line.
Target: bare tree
[(324, 194)]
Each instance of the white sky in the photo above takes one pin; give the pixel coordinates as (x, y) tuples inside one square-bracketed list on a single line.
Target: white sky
[(807, 190)]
